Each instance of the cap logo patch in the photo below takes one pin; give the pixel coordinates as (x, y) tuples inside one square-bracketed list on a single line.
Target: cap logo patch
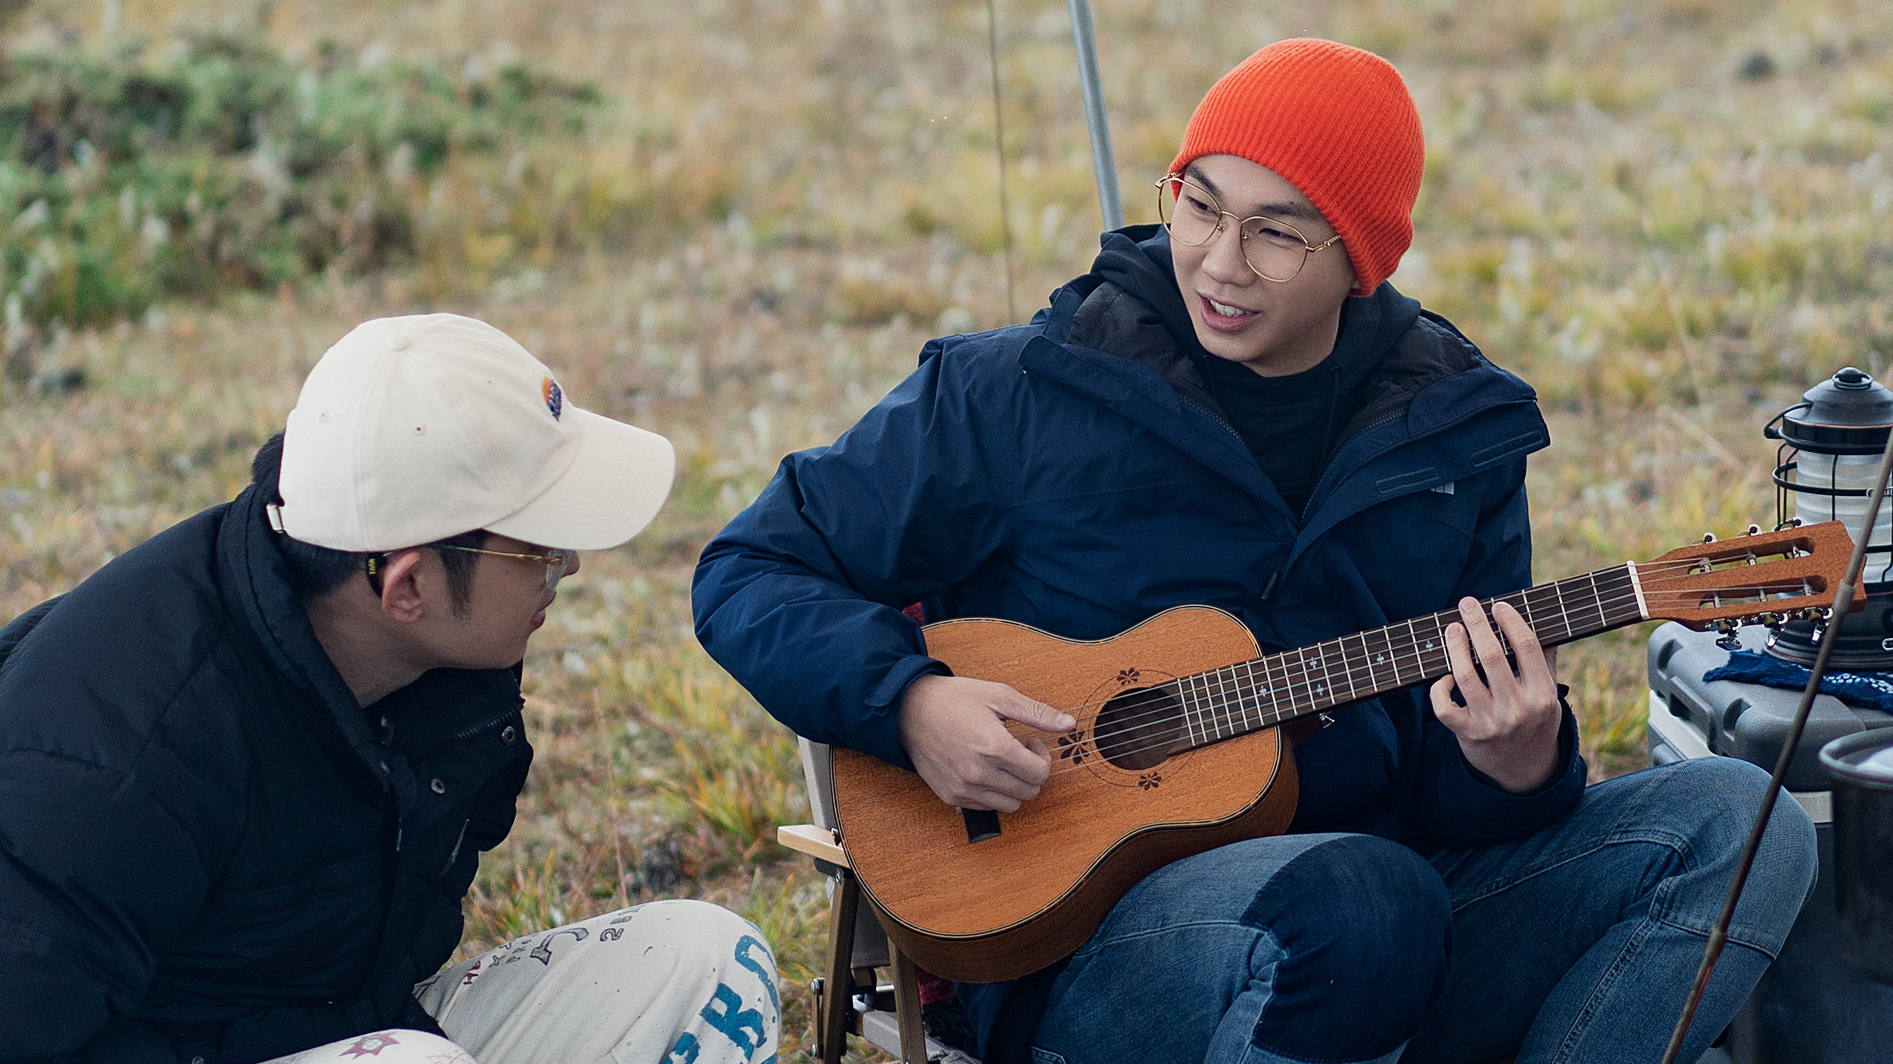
[(555, 399)]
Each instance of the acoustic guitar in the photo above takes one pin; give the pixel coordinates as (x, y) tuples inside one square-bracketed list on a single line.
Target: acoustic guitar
[(1179, 743)]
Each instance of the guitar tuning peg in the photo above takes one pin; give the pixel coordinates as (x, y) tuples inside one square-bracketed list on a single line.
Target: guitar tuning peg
[(1708, 537), (1728, 640), (1753, 530), (1815, 613)]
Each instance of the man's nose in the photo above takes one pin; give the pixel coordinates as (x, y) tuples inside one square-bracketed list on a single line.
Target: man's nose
[(1223, 258)]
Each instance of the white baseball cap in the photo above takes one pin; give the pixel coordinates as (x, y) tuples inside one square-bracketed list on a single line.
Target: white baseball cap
[(417, 428)]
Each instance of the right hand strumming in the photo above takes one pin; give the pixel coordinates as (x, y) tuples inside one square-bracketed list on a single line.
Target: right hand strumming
[(954, 731)]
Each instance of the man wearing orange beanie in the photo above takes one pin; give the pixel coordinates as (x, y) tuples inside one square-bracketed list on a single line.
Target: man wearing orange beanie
[(1234, 408)]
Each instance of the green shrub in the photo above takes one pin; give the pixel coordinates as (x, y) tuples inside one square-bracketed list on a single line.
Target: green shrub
[(229, 165)]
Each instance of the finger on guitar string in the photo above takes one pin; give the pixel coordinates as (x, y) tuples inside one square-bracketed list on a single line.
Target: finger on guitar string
[(953, 729), (1533, 663), (1507, 721), (1462, 688)]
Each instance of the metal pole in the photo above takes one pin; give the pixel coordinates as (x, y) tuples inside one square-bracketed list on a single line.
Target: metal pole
[(1102, 162), (999, 141)]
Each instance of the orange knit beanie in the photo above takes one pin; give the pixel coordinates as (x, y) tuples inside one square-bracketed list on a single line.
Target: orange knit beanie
[(1338, 124)]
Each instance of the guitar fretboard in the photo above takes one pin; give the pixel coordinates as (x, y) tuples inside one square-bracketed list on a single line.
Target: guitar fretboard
[(1251, 695)]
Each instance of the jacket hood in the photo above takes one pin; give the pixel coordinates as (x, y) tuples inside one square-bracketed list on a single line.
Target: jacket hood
[(1137, 260)]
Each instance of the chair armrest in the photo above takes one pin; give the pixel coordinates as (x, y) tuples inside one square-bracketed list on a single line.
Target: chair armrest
[(817, 842)]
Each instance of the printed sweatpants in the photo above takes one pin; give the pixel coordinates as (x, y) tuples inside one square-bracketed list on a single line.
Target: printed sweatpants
[(670, 982)]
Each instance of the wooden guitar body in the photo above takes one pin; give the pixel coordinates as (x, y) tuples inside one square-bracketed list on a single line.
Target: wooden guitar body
[(999, 908)]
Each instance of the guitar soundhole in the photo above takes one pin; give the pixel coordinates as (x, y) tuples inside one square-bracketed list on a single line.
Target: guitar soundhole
[(1140, 728)]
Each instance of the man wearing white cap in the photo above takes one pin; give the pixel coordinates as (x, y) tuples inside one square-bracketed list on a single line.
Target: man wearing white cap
[(247, 768)]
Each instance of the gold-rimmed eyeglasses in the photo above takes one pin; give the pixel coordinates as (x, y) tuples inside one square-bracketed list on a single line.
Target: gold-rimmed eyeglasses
[(557, 562), (1274, 249)]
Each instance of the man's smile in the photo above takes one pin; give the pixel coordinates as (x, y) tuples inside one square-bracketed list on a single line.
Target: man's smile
[(1223, 316)]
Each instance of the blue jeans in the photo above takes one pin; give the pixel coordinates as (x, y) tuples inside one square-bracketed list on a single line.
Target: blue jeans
[(1579, 943)]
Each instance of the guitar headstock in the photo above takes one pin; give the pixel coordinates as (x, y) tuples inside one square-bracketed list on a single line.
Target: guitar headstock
[(1763, 577)]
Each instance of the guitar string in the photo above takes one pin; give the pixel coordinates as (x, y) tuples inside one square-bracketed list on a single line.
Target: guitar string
[(1218, 705), (1176, 706), (1175, 702), (1186, 725), (1617, 599)]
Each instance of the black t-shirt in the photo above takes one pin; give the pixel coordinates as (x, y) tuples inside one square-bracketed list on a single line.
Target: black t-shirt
[(1292, 424)]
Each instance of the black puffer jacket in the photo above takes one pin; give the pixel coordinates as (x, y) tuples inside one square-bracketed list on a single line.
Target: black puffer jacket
[(207, 849)]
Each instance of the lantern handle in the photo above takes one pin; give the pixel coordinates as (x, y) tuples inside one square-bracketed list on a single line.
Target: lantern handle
[(1770, 432)]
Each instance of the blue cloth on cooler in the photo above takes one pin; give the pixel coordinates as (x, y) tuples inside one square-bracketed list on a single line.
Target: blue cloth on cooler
[(1873, 690)]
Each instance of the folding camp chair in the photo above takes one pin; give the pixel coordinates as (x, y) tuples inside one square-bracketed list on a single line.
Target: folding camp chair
[(848, 997)]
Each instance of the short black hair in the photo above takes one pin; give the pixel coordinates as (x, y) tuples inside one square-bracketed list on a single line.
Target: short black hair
[(315, 570)]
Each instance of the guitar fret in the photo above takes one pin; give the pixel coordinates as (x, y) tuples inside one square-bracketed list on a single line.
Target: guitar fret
[(1238, 697), (1225, 697), (1278, 687), (1341, 645), (1393, 656), (1625, 594), (1228, 703), (1274, 688), (1517, 601), (1245, 693), (1197, 688), (1185, 696), (1242, 696), (1218, 701), (1544, 603), (1182, 685), (1375, 659), (1206, 714), (1197, 722), (1587, 602), (1582, 591), (1330, 651)]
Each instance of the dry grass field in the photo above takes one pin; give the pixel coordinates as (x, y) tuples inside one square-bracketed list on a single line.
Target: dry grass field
[(1671, 216)]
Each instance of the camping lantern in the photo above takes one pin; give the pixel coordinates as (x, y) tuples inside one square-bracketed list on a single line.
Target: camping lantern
[(1824, 471)]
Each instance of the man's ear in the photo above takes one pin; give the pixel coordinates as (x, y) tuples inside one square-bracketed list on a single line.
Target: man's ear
[(401, 596)]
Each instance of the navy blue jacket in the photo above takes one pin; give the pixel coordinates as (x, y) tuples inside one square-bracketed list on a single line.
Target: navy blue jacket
[(207, 849), (1076, 474)]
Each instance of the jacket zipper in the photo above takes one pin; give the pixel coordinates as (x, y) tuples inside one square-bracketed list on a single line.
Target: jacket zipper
[(1213, 416), (1308, 508)]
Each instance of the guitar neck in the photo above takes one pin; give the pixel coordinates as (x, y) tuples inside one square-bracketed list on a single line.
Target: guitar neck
[(1270, 690)]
